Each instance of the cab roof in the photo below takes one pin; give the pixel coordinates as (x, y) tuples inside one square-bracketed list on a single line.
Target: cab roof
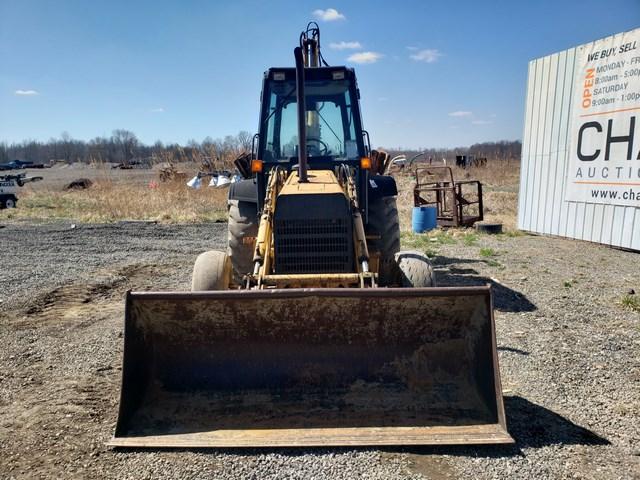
[(316, 73)]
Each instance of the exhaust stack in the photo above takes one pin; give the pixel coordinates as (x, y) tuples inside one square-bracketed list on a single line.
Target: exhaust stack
[(302, 111)]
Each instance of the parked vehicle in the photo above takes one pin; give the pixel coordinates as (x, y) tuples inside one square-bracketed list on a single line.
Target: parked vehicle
[(9, 185), (19, 164)]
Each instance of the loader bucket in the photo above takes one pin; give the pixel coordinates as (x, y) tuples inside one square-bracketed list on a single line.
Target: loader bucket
[(310, 367)]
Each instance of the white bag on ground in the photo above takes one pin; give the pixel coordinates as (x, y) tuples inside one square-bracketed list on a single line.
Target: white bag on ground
[(195, 182), (223, 181)]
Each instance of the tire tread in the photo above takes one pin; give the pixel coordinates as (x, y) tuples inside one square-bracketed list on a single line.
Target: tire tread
[(415, 269), (384, 221), (242, 223)]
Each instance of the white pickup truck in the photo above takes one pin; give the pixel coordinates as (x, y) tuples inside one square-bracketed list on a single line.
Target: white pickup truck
[(9, 185)]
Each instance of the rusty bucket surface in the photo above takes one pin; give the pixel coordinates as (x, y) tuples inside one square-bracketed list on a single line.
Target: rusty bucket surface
[(310, 367)]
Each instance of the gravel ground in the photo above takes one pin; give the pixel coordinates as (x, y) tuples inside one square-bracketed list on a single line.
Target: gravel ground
[(569, 354)]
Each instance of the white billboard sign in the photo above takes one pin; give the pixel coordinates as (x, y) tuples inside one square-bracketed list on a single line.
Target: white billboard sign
[(604, 159)]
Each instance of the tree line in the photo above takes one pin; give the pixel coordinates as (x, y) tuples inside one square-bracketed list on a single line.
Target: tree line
[(501, 150), (124, 147)]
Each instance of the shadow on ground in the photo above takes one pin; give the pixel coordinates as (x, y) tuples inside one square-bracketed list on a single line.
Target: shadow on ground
[(534, 426), (530, 425), (505, 299)]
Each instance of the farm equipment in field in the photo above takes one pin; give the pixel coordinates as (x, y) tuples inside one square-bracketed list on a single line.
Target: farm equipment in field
[(313, 328), (170, 173), (9, 185), (458, 203)]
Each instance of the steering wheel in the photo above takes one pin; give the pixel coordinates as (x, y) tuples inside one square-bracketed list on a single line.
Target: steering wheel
[(321, 147)]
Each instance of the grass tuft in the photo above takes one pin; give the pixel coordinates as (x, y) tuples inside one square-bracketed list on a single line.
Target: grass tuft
[(470, 239), (442, 237), (421, 242), (632, 302), (488, 252), (494, 263)]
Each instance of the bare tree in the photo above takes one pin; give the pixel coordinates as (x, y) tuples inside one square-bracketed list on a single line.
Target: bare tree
[(4, 156), (126, 142), (65, 146), (244, 140)]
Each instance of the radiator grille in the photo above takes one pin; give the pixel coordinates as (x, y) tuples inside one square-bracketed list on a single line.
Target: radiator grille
[(313, 246)]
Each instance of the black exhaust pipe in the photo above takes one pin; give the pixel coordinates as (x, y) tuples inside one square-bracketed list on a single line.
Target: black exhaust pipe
[(302, 114)]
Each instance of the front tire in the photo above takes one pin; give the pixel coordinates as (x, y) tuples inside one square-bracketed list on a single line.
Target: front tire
[(212, 271), (243, 230), (384, 222), (415, 270)]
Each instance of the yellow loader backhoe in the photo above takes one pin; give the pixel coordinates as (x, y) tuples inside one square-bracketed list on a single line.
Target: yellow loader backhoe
[(313, 328)]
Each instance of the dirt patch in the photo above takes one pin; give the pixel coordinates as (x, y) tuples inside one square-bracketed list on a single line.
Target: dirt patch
[(70, 300), (433, 467), (75, 301)]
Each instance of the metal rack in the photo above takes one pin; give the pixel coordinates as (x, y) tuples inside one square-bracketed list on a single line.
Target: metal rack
[(458, 203)]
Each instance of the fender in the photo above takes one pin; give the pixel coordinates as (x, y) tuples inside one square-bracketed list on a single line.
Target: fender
[(244, 191), (382, 186)]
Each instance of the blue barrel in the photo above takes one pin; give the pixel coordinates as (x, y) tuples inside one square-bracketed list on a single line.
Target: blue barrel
[(424, 219)]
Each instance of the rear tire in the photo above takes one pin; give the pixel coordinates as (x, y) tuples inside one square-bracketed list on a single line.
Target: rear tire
[(243, 229), (415, 269), (212, 271), (10, 203), (384, 222)]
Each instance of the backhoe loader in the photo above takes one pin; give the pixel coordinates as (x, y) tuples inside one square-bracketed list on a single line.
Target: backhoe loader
[(313, 328)]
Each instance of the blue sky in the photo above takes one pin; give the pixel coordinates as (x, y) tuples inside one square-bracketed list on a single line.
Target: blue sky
[(437, 74)]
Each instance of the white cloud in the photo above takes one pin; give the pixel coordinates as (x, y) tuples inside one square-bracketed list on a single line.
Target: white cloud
[(328, 15), (428, 55), (481, 122), (460, 113), (412, 48), (157, 110), (345, 45), (365, 57), (26, 92)]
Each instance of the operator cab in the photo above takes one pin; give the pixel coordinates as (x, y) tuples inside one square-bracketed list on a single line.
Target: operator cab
[(333, 123)]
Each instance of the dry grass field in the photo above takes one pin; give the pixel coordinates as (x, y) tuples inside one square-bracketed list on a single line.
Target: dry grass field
[(129, 195), (115, 195)]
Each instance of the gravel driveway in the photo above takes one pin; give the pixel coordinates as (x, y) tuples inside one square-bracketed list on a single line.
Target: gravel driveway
[(569, 353)]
